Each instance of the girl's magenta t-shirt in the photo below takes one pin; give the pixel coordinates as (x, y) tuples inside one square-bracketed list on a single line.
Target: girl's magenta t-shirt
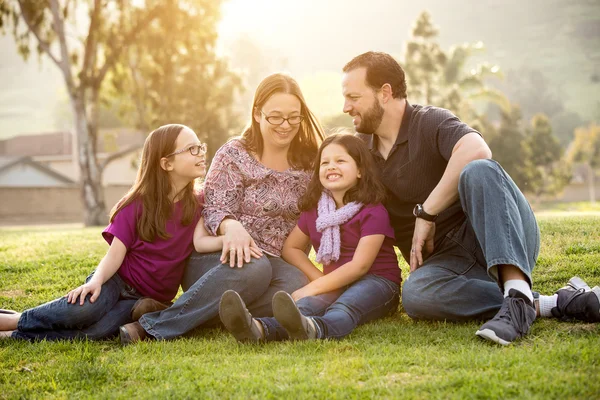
[(155, 268), (372, 219)]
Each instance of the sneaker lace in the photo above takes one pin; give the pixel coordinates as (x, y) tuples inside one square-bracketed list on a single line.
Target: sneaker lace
[(514, 311)]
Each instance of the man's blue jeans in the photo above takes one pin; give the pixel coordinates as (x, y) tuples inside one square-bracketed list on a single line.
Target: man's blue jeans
[(58, 319), (459, 281), (204, 282), (335, 315)]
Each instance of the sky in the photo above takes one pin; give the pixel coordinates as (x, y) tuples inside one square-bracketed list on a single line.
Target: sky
[(313, 39)]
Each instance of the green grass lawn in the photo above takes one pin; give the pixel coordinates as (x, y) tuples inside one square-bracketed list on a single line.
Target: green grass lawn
[(393, 358)]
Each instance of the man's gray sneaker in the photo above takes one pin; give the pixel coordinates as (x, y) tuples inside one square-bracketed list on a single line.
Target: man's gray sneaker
[(512, 321), (577, 301)]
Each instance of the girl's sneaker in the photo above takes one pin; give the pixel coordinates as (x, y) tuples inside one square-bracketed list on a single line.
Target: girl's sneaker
[(237, 319), (287, 314)]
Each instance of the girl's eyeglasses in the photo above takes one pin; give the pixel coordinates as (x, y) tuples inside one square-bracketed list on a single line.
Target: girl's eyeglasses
[(277, 120), (194, 150)]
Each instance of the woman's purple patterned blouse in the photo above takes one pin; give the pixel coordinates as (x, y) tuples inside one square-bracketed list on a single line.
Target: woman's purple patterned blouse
[(265, 201)]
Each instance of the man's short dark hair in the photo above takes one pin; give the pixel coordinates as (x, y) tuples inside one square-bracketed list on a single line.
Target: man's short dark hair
[(381, 69)]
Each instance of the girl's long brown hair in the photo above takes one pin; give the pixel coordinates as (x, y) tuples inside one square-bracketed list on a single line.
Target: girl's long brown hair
[(368, 189), (310, 134), (152, 187)]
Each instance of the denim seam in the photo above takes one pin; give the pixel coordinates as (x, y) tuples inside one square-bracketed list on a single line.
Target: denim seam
[(504, 191), (392, 285), (508, 261), (150, 329), (386, 304)]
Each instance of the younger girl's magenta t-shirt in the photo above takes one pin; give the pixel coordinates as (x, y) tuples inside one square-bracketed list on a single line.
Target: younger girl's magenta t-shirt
[(155, 268), (372, 219)]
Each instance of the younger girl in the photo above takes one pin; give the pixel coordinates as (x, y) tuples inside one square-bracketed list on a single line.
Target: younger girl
[(344, 219), (150, 236)]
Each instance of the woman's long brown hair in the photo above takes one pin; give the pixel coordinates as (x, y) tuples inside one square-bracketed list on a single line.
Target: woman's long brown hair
[(152, 187), (368, 190), (304, 147)]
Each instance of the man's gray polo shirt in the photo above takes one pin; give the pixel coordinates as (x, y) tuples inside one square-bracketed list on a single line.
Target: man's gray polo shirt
[(414, 167)]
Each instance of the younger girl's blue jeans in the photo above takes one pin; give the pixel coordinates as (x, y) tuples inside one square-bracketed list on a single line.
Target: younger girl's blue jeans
[(336, 315)]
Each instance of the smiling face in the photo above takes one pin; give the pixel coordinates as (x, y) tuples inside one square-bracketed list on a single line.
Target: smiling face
[(338, 171), (185, 166), (361, 101), (278, 105)]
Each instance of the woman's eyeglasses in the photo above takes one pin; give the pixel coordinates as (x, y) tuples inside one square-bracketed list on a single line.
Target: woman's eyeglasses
[(277, 120), (194, 150)]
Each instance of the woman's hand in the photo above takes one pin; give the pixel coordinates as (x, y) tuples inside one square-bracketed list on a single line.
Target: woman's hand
[(92, 287), (238, 245)]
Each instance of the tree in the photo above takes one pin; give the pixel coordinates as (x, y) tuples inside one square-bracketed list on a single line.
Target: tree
[(181, 80), (551, 172), (89, 58), (441, 79), (510, 149), (585, 149)]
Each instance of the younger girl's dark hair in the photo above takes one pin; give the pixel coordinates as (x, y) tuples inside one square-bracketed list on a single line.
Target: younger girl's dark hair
[(152, 187), (368, 189)]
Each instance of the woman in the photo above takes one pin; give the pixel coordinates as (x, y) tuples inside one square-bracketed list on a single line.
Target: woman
[(251, 194)]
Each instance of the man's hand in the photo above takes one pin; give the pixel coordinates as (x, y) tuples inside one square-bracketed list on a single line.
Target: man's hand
[(422, 241)]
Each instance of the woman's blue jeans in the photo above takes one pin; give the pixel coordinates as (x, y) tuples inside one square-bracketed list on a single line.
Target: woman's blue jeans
[(204, 282), (335, 316), (59, 319)]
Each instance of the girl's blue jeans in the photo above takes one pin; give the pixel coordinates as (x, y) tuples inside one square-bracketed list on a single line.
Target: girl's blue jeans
[(335, 315), (101, 319)]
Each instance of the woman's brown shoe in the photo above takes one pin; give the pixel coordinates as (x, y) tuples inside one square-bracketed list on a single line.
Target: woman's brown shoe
[(146, 305), (131, 333)]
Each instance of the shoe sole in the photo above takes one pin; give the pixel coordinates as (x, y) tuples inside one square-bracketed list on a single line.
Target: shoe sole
[(232, 312), (288, 315), (124, 336), (578, 283), (490, 335)]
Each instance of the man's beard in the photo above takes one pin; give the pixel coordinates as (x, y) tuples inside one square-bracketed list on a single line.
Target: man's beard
[(371, 119)]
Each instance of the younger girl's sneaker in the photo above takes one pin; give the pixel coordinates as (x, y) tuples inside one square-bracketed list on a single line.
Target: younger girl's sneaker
[(287, 314), (577, 301)]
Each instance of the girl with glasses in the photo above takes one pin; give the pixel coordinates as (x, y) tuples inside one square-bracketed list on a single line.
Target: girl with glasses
[(150, 237)]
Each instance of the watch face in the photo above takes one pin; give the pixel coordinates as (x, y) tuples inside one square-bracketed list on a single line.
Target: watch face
[(417, 210)]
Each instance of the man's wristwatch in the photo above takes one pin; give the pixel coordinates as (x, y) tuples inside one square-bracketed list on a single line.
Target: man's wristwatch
[(420, 213)]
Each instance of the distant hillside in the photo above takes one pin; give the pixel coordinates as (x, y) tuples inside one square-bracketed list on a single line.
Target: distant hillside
[(561, 39)]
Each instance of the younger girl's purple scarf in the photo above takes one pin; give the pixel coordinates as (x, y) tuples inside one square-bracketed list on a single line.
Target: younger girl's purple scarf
[(328, 222)]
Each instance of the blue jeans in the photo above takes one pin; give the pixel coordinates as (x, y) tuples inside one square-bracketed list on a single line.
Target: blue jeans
[(204, 282), (459, 281), (335, 316), (58, 319)]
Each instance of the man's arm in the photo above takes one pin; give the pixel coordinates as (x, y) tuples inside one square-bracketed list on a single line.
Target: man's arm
[(468, 148)]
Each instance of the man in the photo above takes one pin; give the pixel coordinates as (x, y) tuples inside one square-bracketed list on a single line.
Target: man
[(462, 224)]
